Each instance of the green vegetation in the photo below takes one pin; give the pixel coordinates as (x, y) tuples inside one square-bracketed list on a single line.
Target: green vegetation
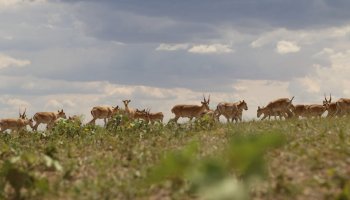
[(294, 159)]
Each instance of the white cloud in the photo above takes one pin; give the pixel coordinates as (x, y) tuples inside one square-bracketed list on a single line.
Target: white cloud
[(172, 47), (311, 85), (211, 49), (259, 93), (303, 37), (285, 47), (7, 61), (12, 3), (5, 3), (326, 79)]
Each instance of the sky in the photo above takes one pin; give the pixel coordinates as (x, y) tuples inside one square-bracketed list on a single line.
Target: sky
[(76, 54)]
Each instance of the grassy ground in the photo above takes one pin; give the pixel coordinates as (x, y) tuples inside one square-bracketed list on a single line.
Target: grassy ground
[(294, 159)]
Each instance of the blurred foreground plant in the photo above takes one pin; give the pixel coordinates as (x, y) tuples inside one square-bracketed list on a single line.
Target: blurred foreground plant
[(226, 174)]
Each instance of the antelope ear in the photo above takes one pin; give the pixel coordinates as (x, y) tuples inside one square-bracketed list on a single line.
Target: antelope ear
[(258, 107)]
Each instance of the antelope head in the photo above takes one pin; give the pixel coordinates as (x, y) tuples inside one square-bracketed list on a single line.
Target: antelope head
[(243, 105), (126, 102), (61, 114), (30, 122), (115, 109), (205, 103), (326, 102), (259, 112), (23, 116)]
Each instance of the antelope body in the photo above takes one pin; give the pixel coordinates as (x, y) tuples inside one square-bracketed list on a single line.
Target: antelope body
[(315, 110), (279, 107), (266, 111), (129, 111), (153, 117), (141, 114), (102, 112), (48, 118), (231, 110), (343, 106), (16, 124), (190, 111), (300, 110)]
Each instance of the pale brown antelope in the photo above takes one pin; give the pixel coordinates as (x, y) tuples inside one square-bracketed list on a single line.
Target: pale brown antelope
[(300, 110), (238, 117), (315, 110), (47, 118), (103, 112), (141, 114), (15, 124), (129, 111), (75, 119), (343, 106), (190, 111), (212, 114), (280, 107), (267, 113), (231, 110), (332, 106), (155, 117)]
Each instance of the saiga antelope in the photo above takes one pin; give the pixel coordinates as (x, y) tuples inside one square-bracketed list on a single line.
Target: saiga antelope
[(153, 117), (279, 107), (16, 124), (332, 106), (267, 113), (190, 111), (129, 111), (231, 110), (300, 110), (103, 112), (48, 118), (141, 114), (343, 106)]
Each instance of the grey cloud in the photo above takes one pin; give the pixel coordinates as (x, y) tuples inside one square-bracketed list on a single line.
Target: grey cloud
[(158, 20)]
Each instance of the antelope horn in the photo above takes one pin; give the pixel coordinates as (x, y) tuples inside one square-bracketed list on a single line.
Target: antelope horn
[(204, 98), (292, 99), (209, 99), (325, 97), (330, 97)]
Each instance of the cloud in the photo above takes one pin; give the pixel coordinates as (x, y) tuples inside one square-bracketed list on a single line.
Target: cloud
[(285, 47), (332, 78), (7, 61), (211, 49), (12, 3), (5, 3), (172, 47)]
